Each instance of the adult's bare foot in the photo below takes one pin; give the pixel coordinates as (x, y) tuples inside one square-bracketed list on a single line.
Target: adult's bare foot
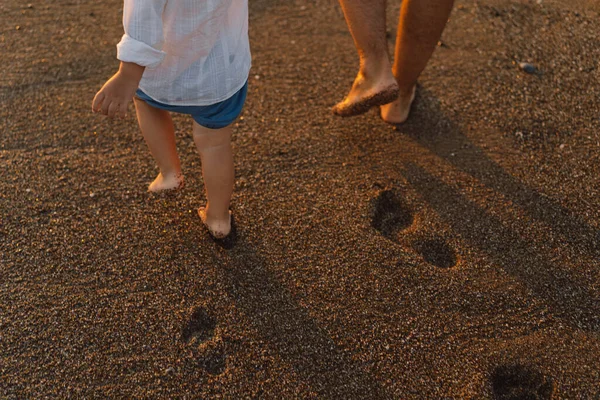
[(219, 228), (397, 111), (168, 182), (367, 93)]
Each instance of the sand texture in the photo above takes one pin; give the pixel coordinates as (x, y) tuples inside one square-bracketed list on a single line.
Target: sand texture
[(456, 257)]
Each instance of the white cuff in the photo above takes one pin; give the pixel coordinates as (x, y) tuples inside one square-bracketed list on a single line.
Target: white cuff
[(140, 53)]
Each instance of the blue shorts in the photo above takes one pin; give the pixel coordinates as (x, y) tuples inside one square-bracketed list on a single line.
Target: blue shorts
[(215, 116)]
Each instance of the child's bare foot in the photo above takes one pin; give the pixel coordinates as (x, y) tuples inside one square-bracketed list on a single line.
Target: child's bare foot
[(397, 111), (168, 182), (367, 93), (219, 228)]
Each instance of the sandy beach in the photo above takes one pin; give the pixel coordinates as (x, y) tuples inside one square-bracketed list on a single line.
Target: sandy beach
[(456, 256)]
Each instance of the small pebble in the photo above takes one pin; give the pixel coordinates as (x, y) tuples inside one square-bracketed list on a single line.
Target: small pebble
[(169, 370), (527, 67)]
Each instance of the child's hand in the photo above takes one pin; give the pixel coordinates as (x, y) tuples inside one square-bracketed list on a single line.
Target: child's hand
[(117, 92), (114, 97)]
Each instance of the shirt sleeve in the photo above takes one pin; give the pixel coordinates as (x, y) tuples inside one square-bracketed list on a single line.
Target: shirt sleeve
[(143, 39)]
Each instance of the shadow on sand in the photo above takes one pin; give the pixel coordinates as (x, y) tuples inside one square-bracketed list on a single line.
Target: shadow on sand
[(564, 291), (286, 326), (449, 142)]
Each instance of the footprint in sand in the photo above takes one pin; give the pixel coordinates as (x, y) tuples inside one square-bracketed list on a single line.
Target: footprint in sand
[(200, 331), (390, 215), (200, 327), (215, 361), (436, 251), (515, 382)]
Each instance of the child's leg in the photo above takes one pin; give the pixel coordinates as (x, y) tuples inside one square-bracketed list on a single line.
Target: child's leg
[(159, 133), (214, 146)]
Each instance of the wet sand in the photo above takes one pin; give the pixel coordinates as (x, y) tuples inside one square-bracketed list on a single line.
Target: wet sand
[(453, 257)]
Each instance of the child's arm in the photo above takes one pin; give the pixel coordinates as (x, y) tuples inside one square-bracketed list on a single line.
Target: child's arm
[(117, 92), (140, 47)]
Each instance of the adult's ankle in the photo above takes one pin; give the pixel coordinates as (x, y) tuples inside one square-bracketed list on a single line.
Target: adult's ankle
[(376, 69), (406, 91)]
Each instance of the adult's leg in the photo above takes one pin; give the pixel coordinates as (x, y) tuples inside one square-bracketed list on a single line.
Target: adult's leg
[(419, 29), (374, 85), (159, 133), (216, 155)]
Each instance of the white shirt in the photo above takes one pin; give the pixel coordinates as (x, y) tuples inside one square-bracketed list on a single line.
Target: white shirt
[(196, 52)]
